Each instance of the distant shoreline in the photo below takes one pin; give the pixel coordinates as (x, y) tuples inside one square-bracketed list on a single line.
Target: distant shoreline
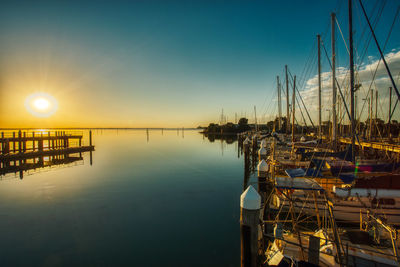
[(99, 128)]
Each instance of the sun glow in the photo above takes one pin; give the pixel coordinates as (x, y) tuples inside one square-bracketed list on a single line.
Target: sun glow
[(41, 104)]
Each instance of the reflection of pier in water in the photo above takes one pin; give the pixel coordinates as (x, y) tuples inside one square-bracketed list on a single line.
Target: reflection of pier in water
[(39, 149)]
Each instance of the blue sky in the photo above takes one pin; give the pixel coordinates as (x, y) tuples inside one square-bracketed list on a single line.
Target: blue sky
[(163, 63)]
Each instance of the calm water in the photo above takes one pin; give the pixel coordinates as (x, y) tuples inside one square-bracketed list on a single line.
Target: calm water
[(168, 201)]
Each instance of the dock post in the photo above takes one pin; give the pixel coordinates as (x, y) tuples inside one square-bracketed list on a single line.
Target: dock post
[(90, 137), (254, 151), (246, 145), (24, 143), (2, 143), (313, 250), (56, 139), (250, 204), (48, 142), (19, 141), (40, 142), (262, 153), (65, 140), (33, 141), (14, 142), (262, 172)]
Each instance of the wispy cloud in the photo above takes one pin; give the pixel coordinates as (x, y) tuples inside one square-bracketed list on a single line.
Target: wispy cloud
[(364, 76)]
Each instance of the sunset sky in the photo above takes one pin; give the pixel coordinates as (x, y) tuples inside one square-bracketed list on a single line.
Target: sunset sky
[(172, 63)]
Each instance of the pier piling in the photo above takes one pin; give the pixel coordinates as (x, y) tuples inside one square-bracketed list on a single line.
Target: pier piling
[(250, 204)]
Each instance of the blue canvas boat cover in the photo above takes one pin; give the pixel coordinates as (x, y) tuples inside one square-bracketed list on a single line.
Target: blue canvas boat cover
[(301, 172), (298, 183), (319, 163), (347, 178)]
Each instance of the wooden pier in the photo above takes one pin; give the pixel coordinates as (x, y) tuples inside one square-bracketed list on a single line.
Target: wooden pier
[(23, 150), (375, 145)]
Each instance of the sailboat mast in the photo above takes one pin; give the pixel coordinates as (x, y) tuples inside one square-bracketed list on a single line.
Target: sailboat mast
[(334, 92), (278, 85), (255, 118), (390, 109), (319, 88), (293, 107), (351, 82), (376, 104), (287, 101), (371, 102)]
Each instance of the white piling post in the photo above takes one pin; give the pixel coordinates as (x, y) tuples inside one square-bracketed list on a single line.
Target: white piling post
[(250, 204), (263, 143), (262, 173), (262, 153), (246, 145)]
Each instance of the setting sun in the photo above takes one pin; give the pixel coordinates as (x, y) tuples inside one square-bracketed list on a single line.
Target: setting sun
[(41, 104)]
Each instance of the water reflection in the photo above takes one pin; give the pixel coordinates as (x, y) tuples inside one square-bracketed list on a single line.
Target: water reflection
[(229, 139), (35, 164), (173, 197)]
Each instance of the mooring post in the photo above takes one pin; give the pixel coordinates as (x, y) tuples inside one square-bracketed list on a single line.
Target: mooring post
[(14, 142), (65, 140), (90, 137), (254, 151), (56, 139), (250, 204), (40, 142), (246, 148), (24, 143), (33, 141), (262, 173), (262, 153), (19, 141), (313, 250), (52, 141), (48, 141), (2, 143)]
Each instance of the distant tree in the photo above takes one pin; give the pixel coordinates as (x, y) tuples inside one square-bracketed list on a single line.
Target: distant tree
[(243, 121), (243, 125)]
